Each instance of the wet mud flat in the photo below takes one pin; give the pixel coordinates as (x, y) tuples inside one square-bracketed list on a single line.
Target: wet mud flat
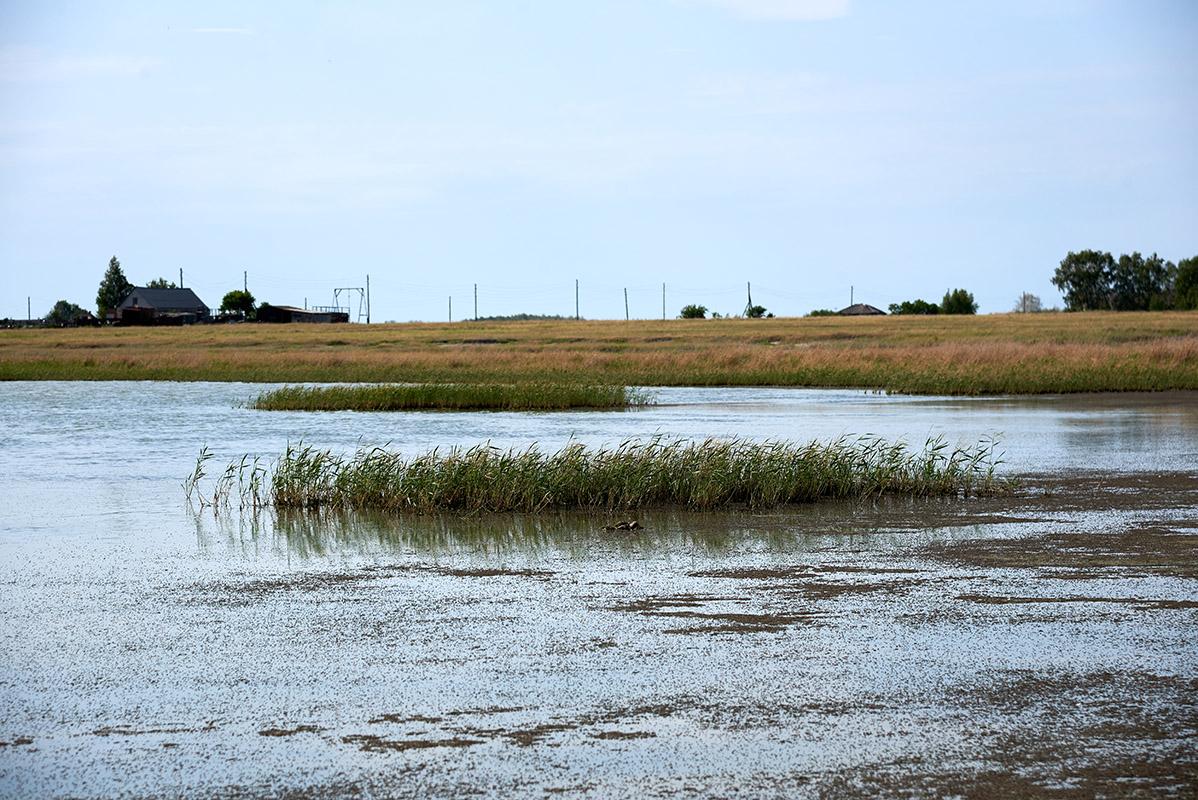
[(1043, 644)]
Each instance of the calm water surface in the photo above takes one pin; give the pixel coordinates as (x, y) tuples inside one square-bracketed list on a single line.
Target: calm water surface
[(925, 648)]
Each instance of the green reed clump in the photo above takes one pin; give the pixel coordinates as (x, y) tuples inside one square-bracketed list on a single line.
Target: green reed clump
[(702, 475), (449, 396)]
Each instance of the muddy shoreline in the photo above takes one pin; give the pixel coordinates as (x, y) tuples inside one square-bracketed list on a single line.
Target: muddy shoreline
[(1034, 645)]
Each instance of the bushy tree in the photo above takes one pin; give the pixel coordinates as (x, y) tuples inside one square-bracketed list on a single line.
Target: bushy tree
[(1084, 279), (161, 283), (914, 307), (1185, 284), (114, 288), (65, 313), (958, 301), (693, 312), (756, 312), (1028, 303), (1140, 284), (238, 302), (823, 312)]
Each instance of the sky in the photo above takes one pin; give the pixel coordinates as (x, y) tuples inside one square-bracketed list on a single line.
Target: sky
[(810, 148)]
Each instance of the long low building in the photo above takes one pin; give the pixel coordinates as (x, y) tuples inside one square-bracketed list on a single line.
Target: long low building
[(148, 306), (269, 313)]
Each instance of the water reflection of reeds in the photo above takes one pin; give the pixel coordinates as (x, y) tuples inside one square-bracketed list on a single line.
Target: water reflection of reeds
[(328, 533)]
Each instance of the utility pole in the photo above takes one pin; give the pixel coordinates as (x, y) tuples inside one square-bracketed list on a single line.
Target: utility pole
[(625, 303), (850, 295), (576, 299), (663, 302), (476, 302), (305, 304), (451, 308), (749, 305), (28, 309), (368, 298), (180, 277), (245, 281)]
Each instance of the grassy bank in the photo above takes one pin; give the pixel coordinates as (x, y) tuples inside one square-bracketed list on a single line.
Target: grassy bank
[(706, 475), (1008, 353), (448, 396)]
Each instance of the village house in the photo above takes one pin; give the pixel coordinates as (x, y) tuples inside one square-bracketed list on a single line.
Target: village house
[(861, 310), (147, 306)]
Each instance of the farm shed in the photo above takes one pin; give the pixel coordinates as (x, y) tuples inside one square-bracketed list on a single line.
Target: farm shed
[(269, 313)]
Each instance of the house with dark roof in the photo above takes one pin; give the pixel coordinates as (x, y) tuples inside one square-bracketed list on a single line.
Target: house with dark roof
[(147, 306), (861, 310)]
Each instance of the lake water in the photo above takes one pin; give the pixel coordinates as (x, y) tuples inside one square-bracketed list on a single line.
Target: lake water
[(1046, 640)]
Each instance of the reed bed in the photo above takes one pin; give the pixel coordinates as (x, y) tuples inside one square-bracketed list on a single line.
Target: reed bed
[(450, 397), (658, 473)]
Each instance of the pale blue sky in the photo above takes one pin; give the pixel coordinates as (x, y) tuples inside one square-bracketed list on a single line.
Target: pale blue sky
[(803, 145)]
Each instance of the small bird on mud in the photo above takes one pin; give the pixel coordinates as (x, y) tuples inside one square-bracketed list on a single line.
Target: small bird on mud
[(630, 525)]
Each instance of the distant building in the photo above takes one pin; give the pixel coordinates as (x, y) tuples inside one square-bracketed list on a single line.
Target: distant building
[(861, 310), (146, 306), (269, 313)]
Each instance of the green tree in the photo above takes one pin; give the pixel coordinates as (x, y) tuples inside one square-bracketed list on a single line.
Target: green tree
[(757, 312), (65, 313), (823, 312), (1185, 284), (914, 307), (238, 302), (1140, 284), (1084, 278), (114, 288), (161, 283), (693, 312), (958, 301)]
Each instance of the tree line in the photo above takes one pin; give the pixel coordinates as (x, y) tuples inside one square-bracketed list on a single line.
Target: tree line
[(1092, 280)]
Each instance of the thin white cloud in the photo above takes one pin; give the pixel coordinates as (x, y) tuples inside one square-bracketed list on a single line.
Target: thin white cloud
[(784, 9), (232, 31), (30, 64)]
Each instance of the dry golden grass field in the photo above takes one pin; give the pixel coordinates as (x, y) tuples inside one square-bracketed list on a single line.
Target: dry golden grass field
[(1002, 353)]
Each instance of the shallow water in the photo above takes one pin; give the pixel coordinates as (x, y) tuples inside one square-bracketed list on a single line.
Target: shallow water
[(1013, 645)]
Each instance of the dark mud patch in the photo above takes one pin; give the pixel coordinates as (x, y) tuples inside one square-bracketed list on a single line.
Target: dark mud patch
[(733, 622), (1108, 492), (796, 571), (1134, 602), (600, 721), (624, 735), (371, 743), (290, 731), (809, 582), (121, 730), (403, 719), (494, 572), (1116, 692), (660, 602), (485, 711), (1147, 551), (20, 741), (234, 593)]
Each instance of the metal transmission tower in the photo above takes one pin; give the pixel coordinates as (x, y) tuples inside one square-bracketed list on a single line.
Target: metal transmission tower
[(350, 291)]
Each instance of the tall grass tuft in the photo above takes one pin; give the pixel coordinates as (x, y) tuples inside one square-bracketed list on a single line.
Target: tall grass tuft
[(450, 396), (659, 473)]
